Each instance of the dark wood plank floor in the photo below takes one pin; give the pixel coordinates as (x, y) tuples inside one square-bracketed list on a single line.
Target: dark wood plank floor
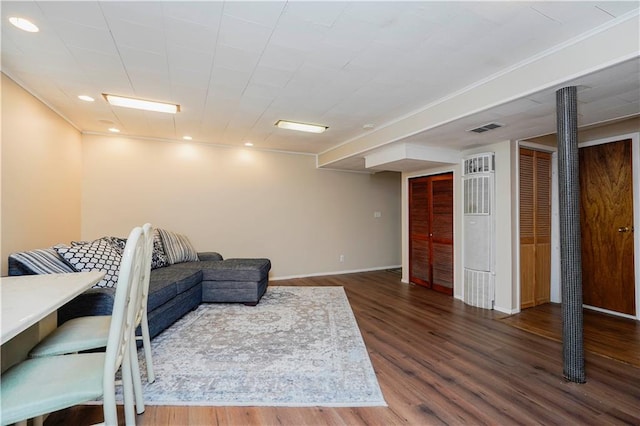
[(438, 361), (606, 335)]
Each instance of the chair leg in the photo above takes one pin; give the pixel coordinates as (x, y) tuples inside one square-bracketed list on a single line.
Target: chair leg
[(38, 421), (109, 403), (146, 343), (135, 376), (127, 390)]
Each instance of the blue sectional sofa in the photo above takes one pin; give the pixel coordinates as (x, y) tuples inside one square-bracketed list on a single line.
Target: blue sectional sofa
[(174, 290)]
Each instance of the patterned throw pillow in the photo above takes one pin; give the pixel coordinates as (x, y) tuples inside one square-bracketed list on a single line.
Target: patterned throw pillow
[(177, 247), (42, 261), (98, 255), (117, 243), (158, 257)]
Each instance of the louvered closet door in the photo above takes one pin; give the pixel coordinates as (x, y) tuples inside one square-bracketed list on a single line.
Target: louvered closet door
[(419, 225), (535, 227), (431, 232)]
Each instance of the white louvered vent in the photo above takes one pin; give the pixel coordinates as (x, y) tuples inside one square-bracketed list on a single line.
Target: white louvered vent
[(477, 195), (479, 288), (479, 230), (480, 163)]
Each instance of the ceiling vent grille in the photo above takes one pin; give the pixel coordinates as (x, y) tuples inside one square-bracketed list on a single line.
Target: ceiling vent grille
[(486, 127)]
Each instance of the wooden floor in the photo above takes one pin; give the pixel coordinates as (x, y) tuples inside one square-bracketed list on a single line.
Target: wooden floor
[(606, 335), (438, 361)]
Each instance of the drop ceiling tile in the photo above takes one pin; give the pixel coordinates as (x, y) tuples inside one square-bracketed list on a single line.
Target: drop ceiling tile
[(616, 8), (86, 37), (189, 35), (206, 13), (299, 35), (88, 13), (243, 35), (184, 57), (137, 36), (282, 58), (139, 13), (263, 13), (322, 13), (271, 77)]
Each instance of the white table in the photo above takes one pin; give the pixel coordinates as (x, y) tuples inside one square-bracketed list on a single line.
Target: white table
[(27, 299)]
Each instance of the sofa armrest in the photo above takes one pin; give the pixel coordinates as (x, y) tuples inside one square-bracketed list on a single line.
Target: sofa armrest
[(209, 255)]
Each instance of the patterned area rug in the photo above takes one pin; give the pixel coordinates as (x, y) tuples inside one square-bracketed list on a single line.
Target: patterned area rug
[(300, 346)]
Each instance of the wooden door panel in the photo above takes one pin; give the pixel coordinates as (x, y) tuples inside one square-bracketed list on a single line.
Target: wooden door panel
[(535, 228), (527, 275), (543, 273), (431, 232), (420, 261), (606, 192), (443, 268)]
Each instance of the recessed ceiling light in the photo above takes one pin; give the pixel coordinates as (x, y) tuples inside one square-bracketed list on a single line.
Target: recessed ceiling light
[(24, 24), (303, 127), (86, 98), (126, 102), (187, 138), (248, 144), (114, 130)]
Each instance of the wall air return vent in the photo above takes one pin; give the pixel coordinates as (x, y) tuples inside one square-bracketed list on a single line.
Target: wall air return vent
[(486, 128)]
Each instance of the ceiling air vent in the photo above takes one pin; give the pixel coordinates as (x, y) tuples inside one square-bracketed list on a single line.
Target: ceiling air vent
[(486, 128)]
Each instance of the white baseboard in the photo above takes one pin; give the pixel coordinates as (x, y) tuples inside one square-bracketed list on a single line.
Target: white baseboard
[(321, 274)]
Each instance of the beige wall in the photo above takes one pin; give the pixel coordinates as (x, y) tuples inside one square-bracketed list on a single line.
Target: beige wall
[(243, 203), (40, 196), (41, 170)]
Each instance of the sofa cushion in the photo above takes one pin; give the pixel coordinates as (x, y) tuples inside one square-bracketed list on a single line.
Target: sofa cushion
[(177, 247), (98, 255), (38, 261), (231, 269), (167, 283)]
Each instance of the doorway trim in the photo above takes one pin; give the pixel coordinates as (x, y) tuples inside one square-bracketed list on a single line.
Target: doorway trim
[(635, 165)]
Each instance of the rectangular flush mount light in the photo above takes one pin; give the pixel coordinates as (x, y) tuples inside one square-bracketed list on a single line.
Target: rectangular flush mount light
[(141, 104), (303, 127)]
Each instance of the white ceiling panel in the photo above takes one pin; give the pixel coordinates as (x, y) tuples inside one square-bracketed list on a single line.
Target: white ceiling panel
[(237, 67)]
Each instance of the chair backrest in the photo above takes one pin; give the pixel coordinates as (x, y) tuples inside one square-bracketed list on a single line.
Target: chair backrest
[(124, 306), (143, 290)]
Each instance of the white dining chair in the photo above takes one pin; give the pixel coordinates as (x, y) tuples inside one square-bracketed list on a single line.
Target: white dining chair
[(91, 332), (38, 386)]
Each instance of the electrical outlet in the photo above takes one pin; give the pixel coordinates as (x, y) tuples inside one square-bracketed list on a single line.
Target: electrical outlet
[(377, 215), (342, 258)]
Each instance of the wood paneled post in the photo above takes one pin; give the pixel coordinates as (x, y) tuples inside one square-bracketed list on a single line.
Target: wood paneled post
[(570, 250)]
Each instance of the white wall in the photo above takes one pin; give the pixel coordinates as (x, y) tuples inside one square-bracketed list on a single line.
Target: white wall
[(243, 203)]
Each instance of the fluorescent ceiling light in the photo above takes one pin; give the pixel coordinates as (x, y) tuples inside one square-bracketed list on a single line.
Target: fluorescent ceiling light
[(248, 144), (86, 98), (123, 101), (303, 127), (24, 24), (187, 138), (114, 130)]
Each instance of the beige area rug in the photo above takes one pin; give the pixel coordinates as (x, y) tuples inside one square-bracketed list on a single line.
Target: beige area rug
[(300, 346)]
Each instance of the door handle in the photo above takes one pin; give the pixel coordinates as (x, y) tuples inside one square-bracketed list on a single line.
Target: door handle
[(625, 229)]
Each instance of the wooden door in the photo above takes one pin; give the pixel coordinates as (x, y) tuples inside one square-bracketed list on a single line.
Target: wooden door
[(606, 223), (535, 228), (431, 232)]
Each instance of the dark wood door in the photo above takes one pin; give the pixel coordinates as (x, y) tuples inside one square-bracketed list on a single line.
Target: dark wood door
[(535, 228), (431, 232), (606, 223)]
